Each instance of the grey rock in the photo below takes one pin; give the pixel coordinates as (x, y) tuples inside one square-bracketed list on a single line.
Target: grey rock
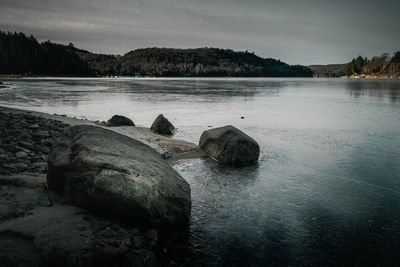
[(114, 175), (26, 145), (162, 125), (21, 154), (16, 166), (19, 148), (4, 157), (118, 120), (230, 146), (41, 134), (34, 127)]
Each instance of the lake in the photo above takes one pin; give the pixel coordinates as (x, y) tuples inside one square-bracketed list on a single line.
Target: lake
[(326, 189)]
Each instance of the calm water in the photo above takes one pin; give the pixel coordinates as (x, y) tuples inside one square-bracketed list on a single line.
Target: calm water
[(326, 190)]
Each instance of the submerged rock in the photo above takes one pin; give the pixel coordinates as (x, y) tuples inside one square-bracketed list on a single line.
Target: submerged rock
[(118, 120), (162, 125), (114, 175), (229, 145)]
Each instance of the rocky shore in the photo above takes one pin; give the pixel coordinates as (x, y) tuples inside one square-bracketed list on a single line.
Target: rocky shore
[(38, 227)]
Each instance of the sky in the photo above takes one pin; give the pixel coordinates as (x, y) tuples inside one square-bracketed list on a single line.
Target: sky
[(294, 31)]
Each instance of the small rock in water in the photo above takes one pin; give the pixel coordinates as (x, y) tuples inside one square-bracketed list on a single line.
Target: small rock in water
[(230, 146), (162, 125), (118, 120)]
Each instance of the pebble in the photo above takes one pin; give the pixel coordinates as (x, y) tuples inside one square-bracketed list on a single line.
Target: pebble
[(44, 201), (34, 126), (41, 134), (21, 154), (26, 145), (16, 166)]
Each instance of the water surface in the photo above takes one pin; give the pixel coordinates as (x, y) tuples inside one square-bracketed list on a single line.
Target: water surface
[(326, 190)]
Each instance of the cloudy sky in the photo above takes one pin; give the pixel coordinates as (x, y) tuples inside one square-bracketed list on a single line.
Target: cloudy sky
[(295, 31)]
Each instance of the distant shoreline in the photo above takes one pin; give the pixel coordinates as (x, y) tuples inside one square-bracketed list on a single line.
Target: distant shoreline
[(364, 76), (45, 77), (9, 76)]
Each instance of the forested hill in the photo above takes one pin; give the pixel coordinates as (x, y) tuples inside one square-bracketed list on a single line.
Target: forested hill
[(383, 66), (205, 62), (378, 66), (23, 55)]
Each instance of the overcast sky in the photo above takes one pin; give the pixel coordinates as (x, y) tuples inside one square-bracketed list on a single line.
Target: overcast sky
[(295, 31)]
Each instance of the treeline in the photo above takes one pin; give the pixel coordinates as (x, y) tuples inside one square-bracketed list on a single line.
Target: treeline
[(328, 71), (20, 54), (382, 65), (206, 62)]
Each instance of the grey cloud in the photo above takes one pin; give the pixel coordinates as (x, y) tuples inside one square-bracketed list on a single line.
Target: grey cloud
[(303, 32)]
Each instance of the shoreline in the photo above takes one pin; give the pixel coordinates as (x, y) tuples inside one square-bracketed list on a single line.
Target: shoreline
[(173, 150), (42, 229), (365, 76)]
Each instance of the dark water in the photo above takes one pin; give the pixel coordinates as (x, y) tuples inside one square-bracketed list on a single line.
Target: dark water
[(326, 190)]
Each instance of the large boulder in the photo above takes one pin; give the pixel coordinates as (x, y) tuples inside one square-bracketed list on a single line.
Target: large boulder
[(112, 174), (118, 120), (230, 146), (162, 125)]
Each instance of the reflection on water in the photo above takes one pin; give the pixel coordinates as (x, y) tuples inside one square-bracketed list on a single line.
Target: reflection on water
[(326, 190), (379, 88)]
